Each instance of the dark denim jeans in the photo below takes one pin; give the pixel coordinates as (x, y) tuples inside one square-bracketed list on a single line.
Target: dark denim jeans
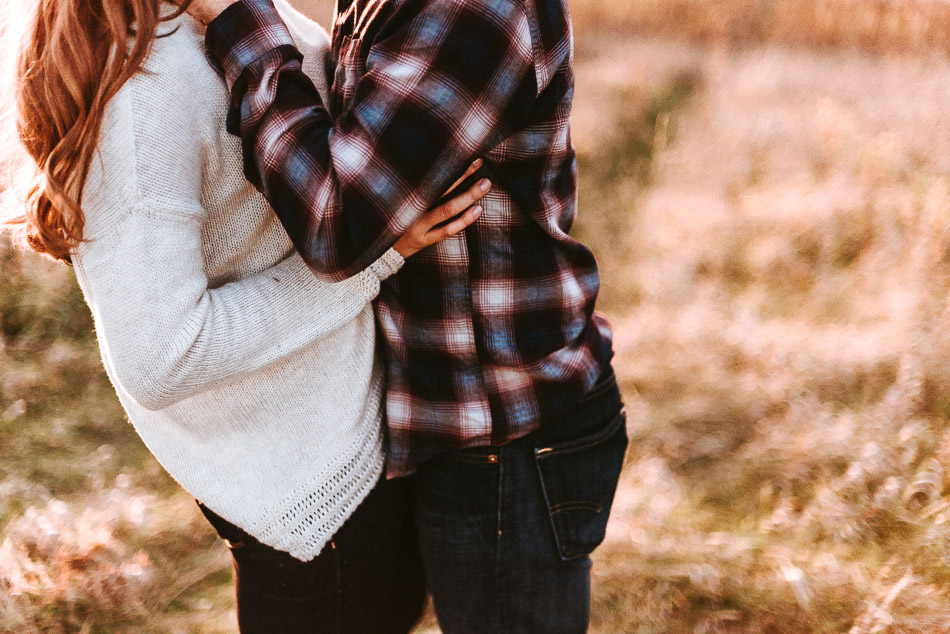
[(367, 580), (505, 532)]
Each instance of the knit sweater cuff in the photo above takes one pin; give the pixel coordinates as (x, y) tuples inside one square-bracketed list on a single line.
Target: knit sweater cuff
[(387, 264)]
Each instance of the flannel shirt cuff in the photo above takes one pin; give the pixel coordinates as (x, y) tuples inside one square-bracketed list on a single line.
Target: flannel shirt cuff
[(244, 33), (387, 264)]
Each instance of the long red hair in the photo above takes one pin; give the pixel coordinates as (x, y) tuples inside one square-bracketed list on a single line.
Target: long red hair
[(72, 59)]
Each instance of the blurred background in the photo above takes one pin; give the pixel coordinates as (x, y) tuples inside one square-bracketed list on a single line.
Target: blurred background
[(766, 184)]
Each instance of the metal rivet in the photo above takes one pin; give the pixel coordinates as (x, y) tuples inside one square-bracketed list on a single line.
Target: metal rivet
[(492, 458)]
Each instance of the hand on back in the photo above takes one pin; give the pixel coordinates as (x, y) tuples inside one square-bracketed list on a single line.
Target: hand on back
[(437, 224), (447, 219)]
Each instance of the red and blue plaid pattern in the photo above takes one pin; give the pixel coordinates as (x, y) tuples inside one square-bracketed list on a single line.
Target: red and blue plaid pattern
[(489, 333)]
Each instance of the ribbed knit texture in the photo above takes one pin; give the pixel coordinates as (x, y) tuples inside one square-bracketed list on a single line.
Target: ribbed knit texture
[(253, 382)]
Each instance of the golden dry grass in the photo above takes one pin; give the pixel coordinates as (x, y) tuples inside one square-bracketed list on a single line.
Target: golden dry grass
[(918, 26), (779, 294), (773, 224)]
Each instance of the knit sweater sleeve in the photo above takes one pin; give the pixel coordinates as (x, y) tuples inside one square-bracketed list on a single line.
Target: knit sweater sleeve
[(166, 334)]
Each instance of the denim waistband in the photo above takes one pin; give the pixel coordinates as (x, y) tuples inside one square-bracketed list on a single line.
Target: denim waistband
[(598, 408), (592, 413)]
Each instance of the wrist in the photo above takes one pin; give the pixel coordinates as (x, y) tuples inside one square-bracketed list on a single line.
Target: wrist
[(388, 263), (207, 10)]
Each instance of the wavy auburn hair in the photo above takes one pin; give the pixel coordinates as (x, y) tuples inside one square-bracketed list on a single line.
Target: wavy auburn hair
[(73, 57)]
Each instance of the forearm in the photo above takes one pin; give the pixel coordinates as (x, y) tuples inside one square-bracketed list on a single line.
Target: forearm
[(346, 188), (304, 165), (168, 336)]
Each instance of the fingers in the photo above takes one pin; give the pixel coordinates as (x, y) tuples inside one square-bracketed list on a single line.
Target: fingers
[(471, 170), (445, 220), (421, 236), (452, 228), (461, 202)]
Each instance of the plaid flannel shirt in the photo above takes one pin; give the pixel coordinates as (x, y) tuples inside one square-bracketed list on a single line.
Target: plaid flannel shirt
[(487, 334)]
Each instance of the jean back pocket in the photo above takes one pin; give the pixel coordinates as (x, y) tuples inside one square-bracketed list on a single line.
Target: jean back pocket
[(578, 480)]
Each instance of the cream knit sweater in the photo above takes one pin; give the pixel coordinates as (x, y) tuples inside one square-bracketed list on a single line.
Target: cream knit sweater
[(252, 381)]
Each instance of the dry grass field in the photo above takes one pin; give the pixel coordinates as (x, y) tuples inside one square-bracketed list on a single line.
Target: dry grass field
[(779, 293), (767, 186), (903, 26)]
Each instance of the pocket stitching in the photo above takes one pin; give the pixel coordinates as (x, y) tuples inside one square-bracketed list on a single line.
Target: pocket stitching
[(547, 503), (568, 551), (581, 505), (582, 443)]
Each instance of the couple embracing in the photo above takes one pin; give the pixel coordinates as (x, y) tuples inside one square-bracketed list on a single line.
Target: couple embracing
[(334, 287)]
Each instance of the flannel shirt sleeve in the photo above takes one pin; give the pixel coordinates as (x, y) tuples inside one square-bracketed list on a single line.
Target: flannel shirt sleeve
[(444, 81)]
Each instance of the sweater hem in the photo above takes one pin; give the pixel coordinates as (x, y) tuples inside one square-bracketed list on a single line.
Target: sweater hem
[(306, 520)]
